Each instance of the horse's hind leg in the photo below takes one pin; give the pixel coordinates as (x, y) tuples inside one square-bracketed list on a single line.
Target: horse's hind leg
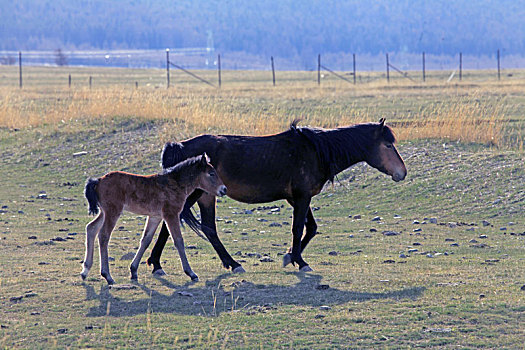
[(176, 235), (300, 210), (92, 230), (147, 236), (103, 240)]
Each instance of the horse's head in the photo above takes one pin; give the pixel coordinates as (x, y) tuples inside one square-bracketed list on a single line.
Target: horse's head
[(208, 179), (384, 156)]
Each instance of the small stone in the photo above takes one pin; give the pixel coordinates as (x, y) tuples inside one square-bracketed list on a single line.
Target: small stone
[(429, 255), (62, 330), (357, 217), (416, 222), (413, 250), (325, 308), (454, 245), (482, 236), (266, 259), (403, 256), (185, 294), (248, 212), (275, 224), (485, 223), (418, 229), (350, 236), (373, 230), (397, 216), (416, 243), (192, 247), (471, 229), (334, 253), (452, 224), (473, 241), (449, 239), (111, 258), (127, 256), (58, 239), (322, 287), (481, 296), (523, 287), (42, 196), (3, 326), (376, 218), (503, 229), (433, 220), (390, 233), (275, 210), (389, 261), (32, 237), (16, 299), (319, 316)]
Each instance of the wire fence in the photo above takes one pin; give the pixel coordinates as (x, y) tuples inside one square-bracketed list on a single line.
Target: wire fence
[(351, 68)]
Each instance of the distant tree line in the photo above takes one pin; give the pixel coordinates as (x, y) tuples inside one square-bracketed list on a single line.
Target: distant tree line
[(289, 28)]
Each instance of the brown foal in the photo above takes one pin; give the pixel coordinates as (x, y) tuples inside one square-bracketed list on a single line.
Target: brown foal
[(159, 196)]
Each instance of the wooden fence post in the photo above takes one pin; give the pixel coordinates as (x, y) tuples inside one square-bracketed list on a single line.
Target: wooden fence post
[(90, 81), (353, 56), (319, 69), (460, 66), (219, 69), (387, 69), (424, 66), (499, 76), (20, 68), (168, 68), (69, 81), (273, 71)]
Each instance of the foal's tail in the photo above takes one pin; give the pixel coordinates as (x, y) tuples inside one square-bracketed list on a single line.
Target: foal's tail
[(91, 195)]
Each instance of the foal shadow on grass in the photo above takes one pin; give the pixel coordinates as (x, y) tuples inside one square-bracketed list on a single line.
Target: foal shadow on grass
[(214, 298)]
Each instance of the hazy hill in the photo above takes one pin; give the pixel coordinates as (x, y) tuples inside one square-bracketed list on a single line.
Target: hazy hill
[(288, 28)]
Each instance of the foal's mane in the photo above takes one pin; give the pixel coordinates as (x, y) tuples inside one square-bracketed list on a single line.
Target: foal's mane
[(338, 147), (182, 167)]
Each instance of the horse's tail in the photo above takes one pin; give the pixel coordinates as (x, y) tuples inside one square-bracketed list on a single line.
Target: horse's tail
[(91, 195), (187, 217), (172, 154)]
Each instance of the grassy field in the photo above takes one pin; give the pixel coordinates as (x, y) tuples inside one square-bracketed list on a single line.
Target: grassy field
[(451, 277)]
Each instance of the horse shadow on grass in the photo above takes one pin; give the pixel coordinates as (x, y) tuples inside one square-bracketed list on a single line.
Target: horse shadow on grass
[(215, 298)]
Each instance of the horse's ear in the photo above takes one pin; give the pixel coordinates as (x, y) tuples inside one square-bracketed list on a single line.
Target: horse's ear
[(382, 122), (205, 159)]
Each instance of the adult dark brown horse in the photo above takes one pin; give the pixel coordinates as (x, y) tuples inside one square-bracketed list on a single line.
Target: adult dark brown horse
[(293, 165)]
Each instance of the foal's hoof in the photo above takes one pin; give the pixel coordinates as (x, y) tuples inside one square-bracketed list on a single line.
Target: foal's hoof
[(305, 268), (287, 259), (159, 272), (239, 269)]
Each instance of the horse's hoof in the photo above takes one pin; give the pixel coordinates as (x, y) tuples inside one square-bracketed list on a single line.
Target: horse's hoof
[(159, 272), (111, 282), (239, 269), (83, 276), (195, 278), (305, 268), (287, 259)]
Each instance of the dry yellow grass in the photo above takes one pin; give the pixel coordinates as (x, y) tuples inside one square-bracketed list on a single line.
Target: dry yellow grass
[(464, 113)]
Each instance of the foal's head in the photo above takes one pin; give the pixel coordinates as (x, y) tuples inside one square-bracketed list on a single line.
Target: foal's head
[(207, 178), (384, 156)]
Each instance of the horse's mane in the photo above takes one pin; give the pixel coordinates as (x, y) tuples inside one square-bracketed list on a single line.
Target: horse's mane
[(340, 146), (182, 167)]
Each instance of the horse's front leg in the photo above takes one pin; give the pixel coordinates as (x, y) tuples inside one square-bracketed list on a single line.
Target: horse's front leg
[(207, 208), (164, 234), (174, 228), (300, 209), (149, 230)]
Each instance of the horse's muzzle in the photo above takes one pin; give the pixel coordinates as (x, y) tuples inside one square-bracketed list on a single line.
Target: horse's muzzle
[(222, 191), (399, 176)]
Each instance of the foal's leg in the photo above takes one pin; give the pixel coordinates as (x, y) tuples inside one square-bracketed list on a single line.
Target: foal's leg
[(103, 240), (147, 236), (207, 209), (92, 230), (311, 231), (300, 209), (176, 235), (154, 258)]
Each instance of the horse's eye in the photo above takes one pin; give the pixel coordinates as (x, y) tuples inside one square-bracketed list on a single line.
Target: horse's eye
[(389, 145), (212, 174)]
